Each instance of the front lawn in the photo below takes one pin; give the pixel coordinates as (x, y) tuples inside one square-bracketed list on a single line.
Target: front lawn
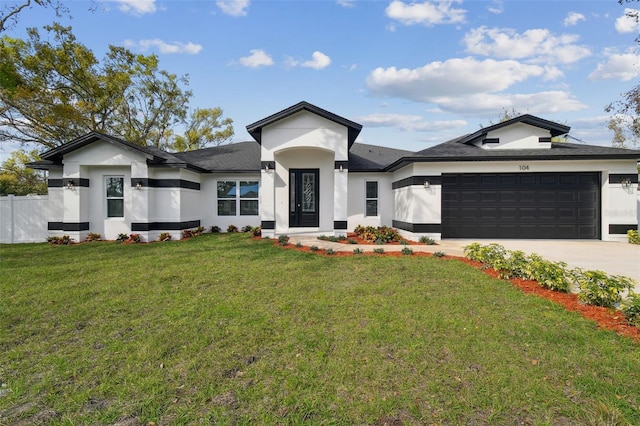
[(229, 330)]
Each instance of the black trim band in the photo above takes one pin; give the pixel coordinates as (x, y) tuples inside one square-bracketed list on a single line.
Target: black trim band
[(337, 164), (59, 183), (68, 226), (544, 139), (618, 178), (268, 224), (165, 226), (340, 224), (165, 183), (490, 140), (417, 180), (621, 229), (417, 227), (270, 164)]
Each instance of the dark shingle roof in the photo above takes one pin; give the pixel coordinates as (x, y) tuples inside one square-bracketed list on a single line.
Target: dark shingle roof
[(365, 158), (236, 157)]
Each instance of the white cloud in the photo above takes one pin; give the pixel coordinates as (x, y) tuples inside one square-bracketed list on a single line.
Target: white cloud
[(347, 3), (619, 66), (628, 23), (233, 7), (497, 7), (458, 76), (137, 7), (318, 61), (427, 13), (573, 18), (164, 47), (535, 45), (470, 86), (409, 123), (258, 58), (541, 103)]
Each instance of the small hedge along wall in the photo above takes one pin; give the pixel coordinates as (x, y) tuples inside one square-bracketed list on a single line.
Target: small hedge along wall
[(381, 234), (595, 287)]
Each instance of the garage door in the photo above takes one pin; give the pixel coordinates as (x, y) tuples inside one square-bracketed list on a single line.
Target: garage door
[(521, 205)]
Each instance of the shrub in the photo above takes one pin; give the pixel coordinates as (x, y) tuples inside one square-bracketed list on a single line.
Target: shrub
[(283, 239), (313, 248), (352, 241), (630, 307), (378, 250), (122, 238), (298, 244), (404, 242), (407, 251), (198, 231), (439, 254), (133, 238), (215, 229), (64, 240), (246, 228), (598, 288), (357, 251), (164, 236), (426, 240), (93, 237), (384, 234), (187, 233), (633, 236), (330, 251), (232, 228), (551, 275), (257, 231)]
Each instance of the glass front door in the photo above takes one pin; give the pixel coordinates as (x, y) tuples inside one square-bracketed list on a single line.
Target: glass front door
[(304, 198)]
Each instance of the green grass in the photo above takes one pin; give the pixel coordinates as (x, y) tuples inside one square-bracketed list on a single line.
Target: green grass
[(228, 330)]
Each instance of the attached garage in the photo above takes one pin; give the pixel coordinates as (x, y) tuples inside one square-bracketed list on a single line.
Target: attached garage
[(521, 205)]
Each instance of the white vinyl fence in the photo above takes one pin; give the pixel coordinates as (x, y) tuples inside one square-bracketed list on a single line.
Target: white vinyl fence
[(23, 219)]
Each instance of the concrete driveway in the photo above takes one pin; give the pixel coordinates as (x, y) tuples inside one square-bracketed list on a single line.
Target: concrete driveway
[(613, 258)]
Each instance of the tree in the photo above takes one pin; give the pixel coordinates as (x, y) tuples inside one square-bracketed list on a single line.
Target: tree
[(625, 113), (16, 179), (10, 10), (53, 93), (201, 132)]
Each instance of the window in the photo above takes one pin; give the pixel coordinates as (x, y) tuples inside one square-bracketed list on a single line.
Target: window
[(115, 196), (233, 194), (371, 199)]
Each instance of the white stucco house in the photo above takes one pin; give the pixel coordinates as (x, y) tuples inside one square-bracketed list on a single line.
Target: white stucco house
[(304, 173)]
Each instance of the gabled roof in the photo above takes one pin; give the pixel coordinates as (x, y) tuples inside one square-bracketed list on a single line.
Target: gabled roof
[(235, 157), (556, 129), (255, 129), (458, 150), (155, 157)]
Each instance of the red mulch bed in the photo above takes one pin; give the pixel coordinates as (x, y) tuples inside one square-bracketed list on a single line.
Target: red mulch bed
[(353, 236), (609, 319)]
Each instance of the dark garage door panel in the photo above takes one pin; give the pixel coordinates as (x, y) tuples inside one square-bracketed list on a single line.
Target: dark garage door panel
[(521, 205)]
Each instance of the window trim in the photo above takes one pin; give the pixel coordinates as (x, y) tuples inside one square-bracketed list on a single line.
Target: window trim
[(107, 197), (239, 198), (376, 198)]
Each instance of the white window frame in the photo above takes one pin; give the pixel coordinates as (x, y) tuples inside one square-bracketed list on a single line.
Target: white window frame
[(376, 198), (107, 197), (238, 199)]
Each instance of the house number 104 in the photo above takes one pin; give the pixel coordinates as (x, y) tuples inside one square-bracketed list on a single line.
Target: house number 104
[(524, 167)]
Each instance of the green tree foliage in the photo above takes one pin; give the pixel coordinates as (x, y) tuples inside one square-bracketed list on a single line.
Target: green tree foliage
[(53, 89), (201, 130), (16, 179)]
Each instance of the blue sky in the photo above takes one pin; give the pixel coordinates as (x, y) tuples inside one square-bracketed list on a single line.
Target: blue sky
[(413, 74)]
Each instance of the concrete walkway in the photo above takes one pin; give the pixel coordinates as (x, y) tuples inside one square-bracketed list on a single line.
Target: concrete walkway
[(614, 258)]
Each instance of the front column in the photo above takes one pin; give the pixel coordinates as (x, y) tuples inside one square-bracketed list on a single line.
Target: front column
[(267, 198), (340, 192)]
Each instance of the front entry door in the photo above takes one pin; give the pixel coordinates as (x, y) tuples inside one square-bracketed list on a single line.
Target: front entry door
[(304, 198)]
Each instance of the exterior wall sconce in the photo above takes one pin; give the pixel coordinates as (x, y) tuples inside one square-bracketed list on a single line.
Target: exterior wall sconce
[(266, 167), (427, 184), (138, 185), (69, 184), (626, 183), (341, 168)]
